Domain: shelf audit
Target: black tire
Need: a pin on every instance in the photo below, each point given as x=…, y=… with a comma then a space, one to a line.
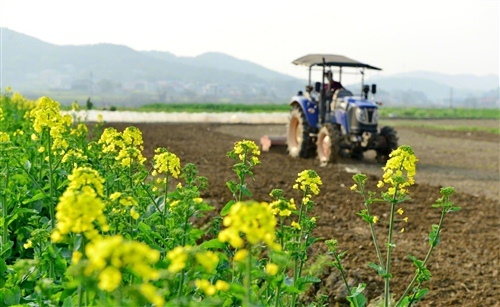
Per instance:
x=328, y=144
x=299, y=140
x=388, y=142
x=357, y=154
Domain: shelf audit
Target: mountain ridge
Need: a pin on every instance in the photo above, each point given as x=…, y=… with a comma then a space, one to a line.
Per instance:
x=120, y=74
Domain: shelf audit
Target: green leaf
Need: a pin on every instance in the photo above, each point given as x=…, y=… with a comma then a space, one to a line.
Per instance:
x=12, y=296
x=380, y=270
x=68, y=302
x=232, y=186
x=434, y=235
x=421, y=293
x=309, y=279
x=291, y=290
x=7, y=247
x=196, y=233
x=212, y=244
x=27, y=165
x=310, y=241
x=144, y=227
x=36, y=197
x=357, y=298
x=303, y=281
x=245, y=190
x=454, y=209
x=3, y=266
x=227, y=207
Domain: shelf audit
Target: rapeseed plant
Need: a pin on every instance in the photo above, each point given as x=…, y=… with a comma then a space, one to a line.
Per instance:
x=120, y=238
x=398, y=176
x=81, y=206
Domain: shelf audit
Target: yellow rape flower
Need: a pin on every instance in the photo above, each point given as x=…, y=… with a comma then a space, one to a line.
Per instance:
x=126, y=147
x=108, y=256
x=75, y=258
x=272, y=269
x=222, y=285
x=296, y=225
x=253, y=220
x=400, y=211
x=205, y=286
x=178, y=257
x=400, y=170
x=208, y=260
x=4, y=137
x=81, y=205
x=134, y=214
x=247, y=150
x=150, y=292
x=28, y=244
x=241, y=255
x=166, y=162
x=282, y=207
x=308, y=181
x=109, y=279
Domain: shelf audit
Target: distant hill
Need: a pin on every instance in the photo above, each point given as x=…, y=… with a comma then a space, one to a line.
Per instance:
x=118, y=75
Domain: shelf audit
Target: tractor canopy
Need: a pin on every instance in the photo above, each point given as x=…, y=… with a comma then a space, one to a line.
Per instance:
x=331, y=60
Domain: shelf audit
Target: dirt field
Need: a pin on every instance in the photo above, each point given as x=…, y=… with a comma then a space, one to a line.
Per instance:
x=464, y=266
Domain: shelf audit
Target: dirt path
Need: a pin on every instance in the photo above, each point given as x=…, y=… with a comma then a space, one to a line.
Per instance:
x=468, y=161
x=464, y=266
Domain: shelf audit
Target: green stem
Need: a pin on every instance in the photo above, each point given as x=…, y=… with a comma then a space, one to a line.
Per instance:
x=277, y=296
x=343, y=275
x=241, y=176
x=51, y=185
x=372, y=230
x=181, y=283
x=3, y=202
x=164, y=213
x=427, y=257
x=80, y=295
x=248, y=276
x=389, y=250
x=296, y=271
x=183, y=243
x=80, y=286
x=282, y=242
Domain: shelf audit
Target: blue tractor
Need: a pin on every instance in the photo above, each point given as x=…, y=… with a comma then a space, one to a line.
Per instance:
x=329, y=122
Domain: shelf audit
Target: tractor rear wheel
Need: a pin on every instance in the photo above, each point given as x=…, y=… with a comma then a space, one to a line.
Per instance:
x=328, y=144
x=299, y=140
x=388, y=142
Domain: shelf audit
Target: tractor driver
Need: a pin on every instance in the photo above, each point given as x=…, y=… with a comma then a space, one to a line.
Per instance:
x=332, y=85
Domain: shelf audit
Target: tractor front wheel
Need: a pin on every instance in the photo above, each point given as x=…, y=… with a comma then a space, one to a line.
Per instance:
x=328, y=143
x=299, y=140
x=388, y=142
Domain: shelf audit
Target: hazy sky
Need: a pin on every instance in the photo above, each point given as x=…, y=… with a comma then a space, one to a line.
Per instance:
x=453, y=37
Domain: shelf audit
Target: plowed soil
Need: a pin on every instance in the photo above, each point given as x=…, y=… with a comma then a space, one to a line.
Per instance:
x=464, y=265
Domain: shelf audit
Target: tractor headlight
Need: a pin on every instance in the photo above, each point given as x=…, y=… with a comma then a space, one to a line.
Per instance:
x=361, y=115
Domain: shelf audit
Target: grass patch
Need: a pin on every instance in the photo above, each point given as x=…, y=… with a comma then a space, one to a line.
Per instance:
x=212, y=107
x=437, y=126
x=421, y=113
